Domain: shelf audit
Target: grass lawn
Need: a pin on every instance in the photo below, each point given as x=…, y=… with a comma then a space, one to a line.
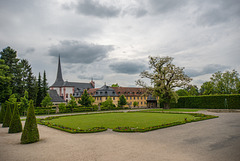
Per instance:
x=175, y=110
x=113, y=120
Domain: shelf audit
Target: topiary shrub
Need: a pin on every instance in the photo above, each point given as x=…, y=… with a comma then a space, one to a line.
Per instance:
x=2, y=113
x=7, y=117
x=30, y=132
x=15, y=124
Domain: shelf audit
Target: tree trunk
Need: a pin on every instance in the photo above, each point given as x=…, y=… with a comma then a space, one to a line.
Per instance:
x=166, y=106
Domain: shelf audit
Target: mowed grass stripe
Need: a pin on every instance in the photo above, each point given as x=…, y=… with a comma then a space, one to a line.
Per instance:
x=113, y=120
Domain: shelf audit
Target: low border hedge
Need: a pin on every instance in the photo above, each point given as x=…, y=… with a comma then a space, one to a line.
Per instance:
x=199, y=117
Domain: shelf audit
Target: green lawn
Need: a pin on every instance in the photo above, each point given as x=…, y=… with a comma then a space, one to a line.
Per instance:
x=113, y=120
x=175, y=110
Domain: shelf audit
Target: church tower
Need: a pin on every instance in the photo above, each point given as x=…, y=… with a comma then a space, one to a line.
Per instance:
x=59, y=80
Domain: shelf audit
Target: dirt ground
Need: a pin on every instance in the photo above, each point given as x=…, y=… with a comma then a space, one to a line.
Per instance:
x=210, y=140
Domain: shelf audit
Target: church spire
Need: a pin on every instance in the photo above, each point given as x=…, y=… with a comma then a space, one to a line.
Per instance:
x=59, y=80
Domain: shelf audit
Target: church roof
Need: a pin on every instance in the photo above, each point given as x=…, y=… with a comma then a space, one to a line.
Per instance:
x=55, y=97
x=59, y=80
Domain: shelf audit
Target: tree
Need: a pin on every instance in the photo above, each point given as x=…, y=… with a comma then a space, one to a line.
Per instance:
x=44, y=85
x=15, y=124
x=46, y=102
x=7, y=117
x=85, y=101
x=207, y=88
x=135, y=104
x=30, y=132
x=39, y=91
x=72, y=103
x=108, y=103
x=122, y=101
x=5, y=80
x=24, y=103
x=182, y=92
x=192, y=90
x=62, y=107
x=164, y=79
x=115, y=85
x=9, y=55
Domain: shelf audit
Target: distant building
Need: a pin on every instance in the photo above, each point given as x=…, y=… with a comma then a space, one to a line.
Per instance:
x=65, y=89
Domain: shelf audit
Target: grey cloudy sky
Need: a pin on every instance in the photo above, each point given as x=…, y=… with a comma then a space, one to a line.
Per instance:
x=111, y=40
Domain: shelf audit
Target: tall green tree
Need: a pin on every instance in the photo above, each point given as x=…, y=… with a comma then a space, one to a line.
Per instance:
x=46, y=102
x=5, y=80
x=24, y=104
x=15, y=124
x=72, y=103
x=39, y=91
x=30, y=132
x=9, y=55
x=165, y=77
x=222, y=83
x=44, y=85
x=122, y=101
x=85, y=101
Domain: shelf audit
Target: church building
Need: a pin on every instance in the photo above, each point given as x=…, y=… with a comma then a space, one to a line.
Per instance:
x=65, y=89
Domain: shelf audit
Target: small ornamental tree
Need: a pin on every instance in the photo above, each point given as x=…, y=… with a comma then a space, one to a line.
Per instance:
x=72, y=103
x=85, y=101
x=46, y=102
x=15, y=124
x=2, y=113
x=30, y=132
x=108, y=103
x=122, y=101
x=7, y=117
x=24, y=104
x=135, y=103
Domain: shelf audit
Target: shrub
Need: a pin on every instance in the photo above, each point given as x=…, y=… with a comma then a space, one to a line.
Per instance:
x=211, y=102
x=30, y=133
x=7, y=117
x=2, y=113
x=15, y=124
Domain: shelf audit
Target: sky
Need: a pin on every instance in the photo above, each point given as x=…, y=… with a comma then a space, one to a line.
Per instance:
x=110, y=40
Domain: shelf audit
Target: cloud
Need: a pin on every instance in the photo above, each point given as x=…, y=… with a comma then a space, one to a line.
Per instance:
x=79, y=52
x=130, y=67
x=94, y=8
x=217, y=13
x=89, y=77
x=209, y=69
x=165, y=6
x=30, y=50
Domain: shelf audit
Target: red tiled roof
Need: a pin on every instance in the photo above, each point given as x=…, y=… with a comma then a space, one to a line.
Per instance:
x=129, y=91
x=92, y=91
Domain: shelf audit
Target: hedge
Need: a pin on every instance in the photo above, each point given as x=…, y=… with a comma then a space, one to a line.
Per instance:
x=15, y=124
x=209, y=102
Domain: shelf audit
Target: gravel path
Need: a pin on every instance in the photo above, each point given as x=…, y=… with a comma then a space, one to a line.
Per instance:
x=210, y=140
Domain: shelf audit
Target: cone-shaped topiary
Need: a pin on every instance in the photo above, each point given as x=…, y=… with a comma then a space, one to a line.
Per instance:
x=8, y=117
x=2, y=113
x=15, y=124
x=30, y=132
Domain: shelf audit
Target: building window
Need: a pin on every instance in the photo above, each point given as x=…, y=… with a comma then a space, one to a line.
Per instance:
x=134, y=98
x=126, y=98
x=106, y=98
x=113, y=98
x=130, y=98
x=67, y=95
x=141, y=103
x=105, y=92
x=133, y=93
x=118, y=92
x=96, y=92
x=138, y=98
x=100, y=98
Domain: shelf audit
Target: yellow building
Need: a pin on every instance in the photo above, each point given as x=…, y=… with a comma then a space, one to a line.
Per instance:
x=132, y=94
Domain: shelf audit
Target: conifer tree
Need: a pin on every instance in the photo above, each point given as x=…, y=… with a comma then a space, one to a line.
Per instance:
x=30, y=132
x=2, y=113
x=8, y=116
x=39, y=92
x=15, y=124
x=44, y=85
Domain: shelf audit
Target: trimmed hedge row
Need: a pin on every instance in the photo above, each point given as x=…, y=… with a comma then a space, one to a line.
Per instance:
x=68, y=129
x=209, y=102
x=199, y=117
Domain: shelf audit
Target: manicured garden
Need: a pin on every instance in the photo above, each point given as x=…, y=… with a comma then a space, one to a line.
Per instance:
x=121, y=121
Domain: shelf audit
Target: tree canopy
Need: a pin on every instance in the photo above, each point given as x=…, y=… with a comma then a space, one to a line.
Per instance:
x=164, y=78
